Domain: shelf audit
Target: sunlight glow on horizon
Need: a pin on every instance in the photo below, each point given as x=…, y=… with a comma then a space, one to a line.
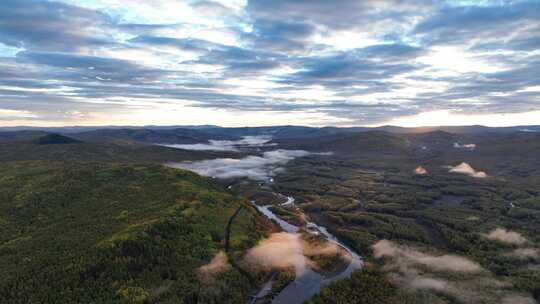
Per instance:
x=448, y=118
x=189, y=115
x=260, y=62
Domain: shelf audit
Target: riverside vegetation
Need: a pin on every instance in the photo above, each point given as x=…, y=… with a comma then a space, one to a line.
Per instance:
x=85, y=220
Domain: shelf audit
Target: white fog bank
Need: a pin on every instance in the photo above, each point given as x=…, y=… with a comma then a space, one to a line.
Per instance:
x=465, y=168
x=225, y=145
x=254, y=167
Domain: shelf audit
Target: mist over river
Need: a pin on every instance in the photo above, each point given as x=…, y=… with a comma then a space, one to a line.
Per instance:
x=308, y=282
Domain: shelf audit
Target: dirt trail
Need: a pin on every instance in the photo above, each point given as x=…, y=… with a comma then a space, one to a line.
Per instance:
x=227, y=248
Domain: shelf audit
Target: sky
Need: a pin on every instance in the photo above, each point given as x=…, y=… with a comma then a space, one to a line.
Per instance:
x=269, y=62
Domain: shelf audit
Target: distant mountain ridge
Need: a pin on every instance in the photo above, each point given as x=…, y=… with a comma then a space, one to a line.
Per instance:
x=55, y=139
x=170, y=136
x=300, y=137
x=78, y=129
x=280, y=131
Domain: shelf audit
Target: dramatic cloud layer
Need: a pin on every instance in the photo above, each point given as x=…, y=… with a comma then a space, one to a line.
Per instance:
x=253, y=167
x=260, y=62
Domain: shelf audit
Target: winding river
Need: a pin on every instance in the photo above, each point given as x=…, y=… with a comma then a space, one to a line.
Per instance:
x=307, y=282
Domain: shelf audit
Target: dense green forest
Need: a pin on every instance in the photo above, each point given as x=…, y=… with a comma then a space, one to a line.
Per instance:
x=102, y=152
x=368, y=198
x=365, y=286
x=106, y=222
x=83, y=232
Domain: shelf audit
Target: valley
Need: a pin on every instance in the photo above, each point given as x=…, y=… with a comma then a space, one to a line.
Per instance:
x=269, y=152
x=308, y=282
x=282, y=216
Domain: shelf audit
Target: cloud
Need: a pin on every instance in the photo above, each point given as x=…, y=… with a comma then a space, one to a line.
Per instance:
x=91, y=67
x=345, y=15
x=226, y=145
x=524, y=253
x=428, y=283
x=323, y=248
x=232, y=60
x=456, y=24
x=506, y=236
x=464, y=146
x=465, y=168
x=527, y=43
x=392, y=51
x=285, y=250
x=411, y=279
x=413, y=269
x=6, y=114
x=213, y=145
x=218, y=264
x=518, y=299
x=49, y=26
x=404, y=255
x=356, y=66
x=279, y=35
x=420, y=170
x=254, y=167
x=186, y=44
x=280, y=250
x=211, y=8
x=352, y=62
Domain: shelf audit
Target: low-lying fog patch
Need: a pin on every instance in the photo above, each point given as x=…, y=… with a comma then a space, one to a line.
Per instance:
x=420, y=170
x=407, y=256
x=505, y=236
x=280, y=250
x=226, y=145
x=518, y=299
x=513, y=238
x=259, y=168
x=528, y=130
x=218, y=264
x=416, y=270
x=428, y=283
x=284, y=250
x=465, y=168
x=464, y=146
x=524, y=253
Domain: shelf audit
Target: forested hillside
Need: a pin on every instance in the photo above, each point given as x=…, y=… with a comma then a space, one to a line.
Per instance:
x=108, y=233
x=490, y=220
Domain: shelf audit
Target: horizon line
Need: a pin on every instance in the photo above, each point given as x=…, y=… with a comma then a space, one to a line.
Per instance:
x=261, y=126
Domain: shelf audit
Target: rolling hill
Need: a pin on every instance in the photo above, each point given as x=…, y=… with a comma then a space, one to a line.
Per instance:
x=80, y=232
x=170, y=136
